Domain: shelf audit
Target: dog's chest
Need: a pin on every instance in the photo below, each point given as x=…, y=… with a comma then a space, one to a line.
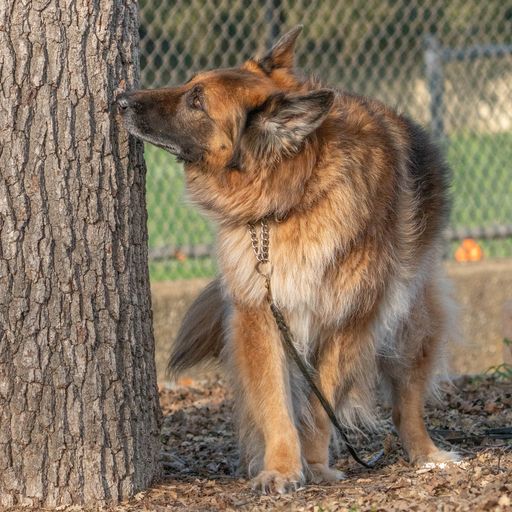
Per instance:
x=295, y=280
x=297, y=266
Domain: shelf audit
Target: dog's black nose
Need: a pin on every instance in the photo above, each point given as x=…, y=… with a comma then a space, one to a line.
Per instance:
x=123, y=101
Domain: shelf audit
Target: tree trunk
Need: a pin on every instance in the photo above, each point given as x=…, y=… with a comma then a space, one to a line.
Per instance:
x=79, y=412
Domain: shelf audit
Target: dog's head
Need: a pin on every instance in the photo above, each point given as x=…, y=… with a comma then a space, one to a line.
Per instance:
x=231, y=119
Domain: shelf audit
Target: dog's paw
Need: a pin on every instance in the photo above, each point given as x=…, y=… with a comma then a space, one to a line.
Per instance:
x=438, y=458
x=274, y=482
x=322, y=473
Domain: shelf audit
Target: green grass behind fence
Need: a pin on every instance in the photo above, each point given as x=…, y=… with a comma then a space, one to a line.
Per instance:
x=482, y=194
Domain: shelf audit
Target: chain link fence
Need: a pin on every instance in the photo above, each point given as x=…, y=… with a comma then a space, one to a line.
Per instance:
x=448, y=64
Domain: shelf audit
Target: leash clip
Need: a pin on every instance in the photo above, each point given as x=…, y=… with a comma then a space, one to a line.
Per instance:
x=264, y=269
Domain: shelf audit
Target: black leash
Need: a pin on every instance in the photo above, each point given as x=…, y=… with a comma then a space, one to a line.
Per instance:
x=292, y=351
x=261, y=249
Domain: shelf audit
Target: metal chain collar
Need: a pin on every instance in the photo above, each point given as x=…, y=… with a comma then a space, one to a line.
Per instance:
x=261, y=250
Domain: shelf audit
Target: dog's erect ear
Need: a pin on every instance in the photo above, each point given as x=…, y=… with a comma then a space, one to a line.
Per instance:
x=280, y=125
x=282, y=53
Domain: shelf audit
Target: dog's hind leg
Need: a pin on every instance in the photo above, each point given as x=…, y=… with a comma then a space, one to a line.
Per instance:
x=408, y=419
x=418, y=352
x=261, y=376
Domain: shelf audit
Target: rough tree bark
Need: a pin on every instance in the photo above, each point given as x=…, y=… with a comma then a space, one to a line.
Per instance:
x=79, y=413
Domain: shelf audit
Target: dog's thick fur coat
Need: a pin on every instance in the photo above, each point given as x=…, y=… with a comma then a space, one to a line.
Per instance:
x=357, y=200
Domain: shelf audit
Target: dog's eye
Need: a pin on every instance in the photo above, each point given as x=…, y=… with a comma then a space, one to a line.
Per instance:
x=195, y=98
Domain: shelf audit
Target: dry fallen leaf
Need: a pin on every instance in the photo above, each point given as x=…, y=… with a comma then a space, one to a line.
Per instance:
x=504, y=501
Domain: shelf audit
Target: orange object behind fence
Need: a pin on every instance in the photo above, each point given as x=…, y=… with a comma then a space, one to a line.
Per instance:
x=469, y=250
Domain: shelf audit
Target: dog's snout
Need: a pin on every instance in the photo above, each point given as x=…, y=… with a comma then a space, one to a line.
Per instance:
x=123, y=101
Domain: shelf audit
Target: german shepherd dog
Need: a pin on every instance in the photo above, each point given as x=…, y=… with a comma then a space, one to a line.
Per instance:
x=356, y=200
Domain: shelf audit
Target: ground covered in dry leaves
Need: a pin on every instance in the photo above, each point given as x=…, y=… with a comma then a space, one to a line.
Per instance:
x=474, y=416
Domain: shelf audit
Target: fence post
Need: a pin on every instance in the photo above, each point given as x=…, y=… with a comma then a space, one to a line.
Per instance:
x=435, y=83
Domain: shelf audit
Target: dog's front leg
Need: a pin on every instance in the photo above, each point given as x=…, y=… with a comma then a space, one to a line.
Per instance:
x=261, y=369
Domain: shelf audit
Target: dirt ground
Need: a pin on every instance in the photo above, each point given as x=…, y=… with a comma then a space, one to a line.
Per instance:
x=473, y=416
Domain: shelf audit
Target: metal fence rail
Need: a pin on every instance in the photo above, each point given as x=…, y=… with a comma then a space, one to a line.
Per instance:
x=447, y=64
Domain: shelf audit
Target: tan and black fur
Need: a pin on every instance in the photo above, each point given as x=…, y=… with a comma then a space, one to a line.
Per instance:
x=357, y=200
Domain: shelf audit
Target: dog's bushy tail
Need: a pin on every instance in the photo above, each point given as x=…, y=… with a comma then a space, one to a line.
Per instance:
x=201, y=334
